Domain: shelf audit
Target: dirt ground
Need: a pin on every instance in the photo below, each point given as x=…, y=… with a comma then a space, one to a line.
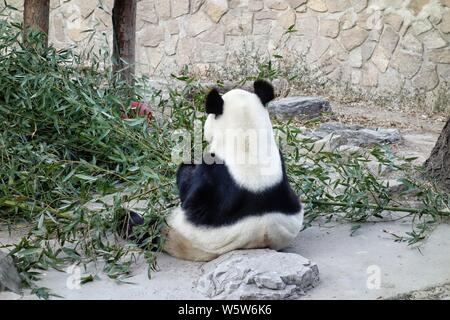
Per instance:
x=405, y=120
x=419, y=130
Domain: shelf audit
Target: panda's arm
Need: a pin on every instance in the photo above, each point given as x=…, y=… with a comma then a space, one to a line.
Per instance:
x=200, y=198
x=185, y=173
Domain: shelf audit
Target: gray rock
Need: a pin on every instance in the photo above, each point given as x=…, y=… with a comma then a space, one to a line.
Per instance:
x=257, y=274
x=357, y=135
x=9, y=277
x=292, y=106
x=330, y=127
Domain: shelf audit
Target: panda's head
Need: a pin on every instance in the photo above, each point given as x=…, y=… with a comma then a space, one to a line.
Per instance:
x=238, y=110
x=239, y=132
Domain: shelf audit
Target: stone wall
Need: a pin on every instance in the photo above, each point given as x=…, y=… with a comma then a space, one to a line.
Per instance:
x=382, y=45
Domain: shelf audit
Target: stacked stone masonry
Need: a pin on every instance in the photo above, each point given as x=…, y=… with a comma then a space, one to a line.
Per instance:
x=382, y=45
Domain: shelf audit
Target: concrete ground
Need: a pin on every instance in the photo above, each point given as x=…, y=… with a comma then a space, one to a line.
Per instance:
x=349, y=267
x=347, y=264
x=367, y=265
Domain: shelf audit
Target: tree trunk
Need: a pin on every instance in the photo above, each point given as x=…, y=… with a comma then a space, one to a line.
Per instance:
x=35, y=15
x=124, y=30
x=438, y=164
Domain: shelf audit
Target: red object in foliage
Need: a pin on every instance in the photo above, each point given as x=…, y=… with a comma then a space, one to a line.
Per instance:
x=140, y=109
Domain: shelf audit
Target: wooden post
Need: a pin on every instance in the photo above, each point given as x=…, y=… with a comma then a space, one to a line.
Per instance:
x=35, y=15
x=124, y=31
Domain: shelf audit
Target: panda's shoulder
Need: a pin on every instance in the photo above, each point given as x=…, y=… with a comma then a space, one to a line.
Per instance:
x=214, y=174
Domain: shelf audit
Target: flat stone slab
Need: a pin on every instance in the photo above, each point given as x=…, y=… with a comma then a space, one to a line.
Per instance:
x=299, y=106
x=440, y=292
x=357, y=135
x=9, y=277
x=257, y=274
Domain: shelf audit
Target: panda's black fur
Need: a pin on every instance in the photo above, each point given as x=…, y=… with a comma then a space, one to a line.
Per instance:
x=210, y=197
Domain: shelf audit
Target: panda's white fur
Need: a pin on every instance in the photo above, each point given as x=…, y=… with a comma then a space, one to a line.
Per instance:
x=242, y=111
x=244, y=132
x=272, y=230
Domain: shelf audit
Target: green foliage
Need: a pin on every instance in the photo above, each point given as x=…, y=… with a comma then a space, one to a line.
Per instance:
x=63, y=143
x=343, y=185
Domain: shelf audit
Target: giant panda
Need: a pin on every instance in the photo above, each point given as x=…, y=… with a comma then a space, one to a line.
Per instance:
x=242, y=199
x=239, y=196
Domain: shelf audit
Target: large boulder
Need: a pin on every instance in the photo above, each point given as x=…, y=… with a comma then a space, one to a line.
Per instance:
x=299, y=106
x=258, y=274
x=356, y=135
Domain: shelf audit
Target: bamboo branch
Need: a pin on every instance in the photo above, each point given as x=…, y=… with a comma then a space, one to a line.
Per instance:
x=374, y=206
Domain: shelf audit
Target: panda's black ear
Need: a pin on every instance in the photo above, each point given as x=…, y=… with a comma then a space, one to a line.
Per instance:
x=264, y=91
x=214, y=102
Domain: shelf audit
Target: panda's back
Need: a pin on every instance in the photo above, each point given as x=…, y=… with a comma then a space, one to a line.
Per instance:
x=217, y=215
x=214, y=199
